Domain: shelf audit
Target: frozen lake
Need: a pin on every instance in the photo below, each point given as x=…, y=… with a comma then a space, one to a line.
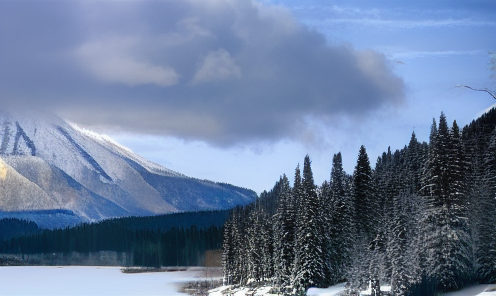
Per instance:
x=92, y=280
x=84, y=280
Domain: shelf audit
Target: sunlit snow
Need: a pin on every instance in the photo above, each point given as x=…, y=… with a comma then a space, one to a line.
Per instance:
x=339, y=290
x=91, y=280
x=79, y=280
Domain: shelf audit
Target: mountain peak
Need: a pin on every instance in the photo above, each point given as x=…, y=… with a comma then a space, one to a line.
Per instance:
x=60, y=166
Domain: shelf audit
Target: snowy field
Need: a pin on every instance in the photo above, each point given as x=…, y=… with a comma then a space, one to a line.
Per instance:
x=478, y=290
x=338, y=290
x=78, y=280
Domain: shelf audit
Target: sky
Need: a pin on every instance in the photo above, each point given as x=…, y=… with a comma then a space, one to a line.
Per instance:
x=239, y=91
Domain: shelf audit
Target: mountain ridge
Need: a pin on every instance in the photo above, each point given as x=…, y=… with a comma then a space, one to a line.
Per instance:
x=47, y=163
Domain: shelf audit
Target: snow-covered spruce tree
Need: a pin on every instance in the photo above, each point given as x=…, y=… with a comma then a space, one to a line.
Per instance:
x=485, y=219
x=414, y=159
x=233, y=259
x=367, y=219
x=411, y=204
x=284, y=234
x=341, y=227
x=241, y=246
x=258, y=245
x=228, y=251
x=254, y=244
x=476, y=190
x=329, y=252
x=363, y=197
x=297, y=193
x=445, y=223
x=402, y=262
x=385, y=178
x=308, y=268
x=476, y=139
x=458, y=205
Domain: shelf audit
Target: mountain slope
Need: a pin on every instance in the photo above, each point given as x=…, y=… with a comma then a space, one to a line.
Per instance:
x=47, y=164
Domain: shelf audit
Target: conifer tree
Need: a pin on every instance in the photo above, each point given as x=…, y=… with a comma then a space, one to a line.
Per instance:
x=365, y=210
x=365, y=216
x=341, y=227
x=446, y=228
x=328, y=246
x=228, y=253
x=284, y=235
x=258, y=243
x=309, y=263
x=297, y=193
x=484, y=218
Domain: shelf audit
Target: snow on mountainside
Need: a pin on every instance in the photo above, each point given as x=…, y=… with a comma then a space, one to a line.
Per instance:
x=126, y=152
x=56, y=173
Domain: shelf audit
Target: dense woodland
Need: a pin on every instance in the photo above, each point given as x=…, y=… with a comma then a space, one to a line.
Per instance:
x=167, y=240
x=422, y=220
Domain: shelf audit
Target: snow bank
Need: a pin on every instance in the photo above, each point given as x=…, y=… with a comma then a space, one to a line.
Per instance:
x=220, y=291
x=79, y=280
x=477, y=290
x=331, y=291
x=223, y=290
x=337, y=290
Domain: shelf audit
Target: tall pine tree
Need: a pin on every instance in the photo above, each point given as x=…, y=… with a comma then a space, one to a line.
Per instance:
x=309, y=267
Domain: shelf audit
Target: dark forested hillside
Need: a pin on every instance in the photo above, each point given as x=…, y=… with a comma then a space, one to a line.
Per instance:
x=10, y=228
x=422, y=220
x=166, y=240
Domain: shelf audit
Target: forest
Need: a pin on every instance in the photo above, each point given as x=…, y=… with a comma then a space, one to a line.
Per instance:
x=422, y=221
x=167, y=240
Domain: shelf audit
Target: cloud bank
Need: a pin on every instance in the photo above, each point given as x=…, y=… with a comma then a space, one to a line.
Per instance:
x=221, y=71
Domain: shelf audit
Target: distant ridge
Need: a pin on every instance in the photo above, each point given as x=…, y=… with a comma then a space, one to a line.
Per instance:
x=58, y=174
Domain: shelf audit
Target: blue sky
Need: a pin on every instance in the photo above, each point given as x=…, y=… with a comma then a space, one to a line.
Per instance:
x=239, y=91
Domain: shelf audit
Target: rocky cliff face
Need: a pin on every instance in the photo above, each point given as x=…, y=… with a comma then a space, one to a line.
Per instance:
x=56, y=174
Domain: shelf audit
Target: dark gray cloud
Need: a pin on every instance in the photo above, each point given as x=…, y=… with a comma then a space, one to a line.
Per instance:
x=223, y=71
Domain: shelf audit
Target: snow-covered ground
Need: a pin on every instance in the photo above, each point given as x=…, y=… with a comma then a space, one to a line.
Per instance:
x=337, y=290
x=79, y=280
x=84, y=280
x=331, y=291
x=477, y=290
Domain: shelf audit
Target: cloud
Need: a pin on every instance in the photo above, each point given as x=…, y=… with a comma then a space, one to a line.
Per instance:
x=226, y=72
x=107, y=60
x=398, y=54
x=217, y=66
x=400, y=24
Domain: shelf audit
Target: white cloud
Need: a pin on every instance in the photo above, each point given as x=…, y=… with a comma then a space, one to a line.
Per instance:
x=187, y=30
x=402, y=54
x=398, y=24
x=217, y=66
x=109, y=61
x=229, y=71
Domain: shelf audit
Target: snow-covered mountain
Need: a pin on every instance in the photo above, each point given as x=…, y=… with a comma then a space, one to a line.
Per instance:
x=56, y=174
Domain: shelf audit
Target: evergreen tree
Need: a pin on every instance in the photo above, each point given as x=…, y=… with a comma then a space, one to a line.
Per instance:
x=341, y=227
x=228, y=252
x=328, y=246
x=309, y=265
x=484, y=218
x=446, y=228
x=365, y=210
x=259, y=245
x=423, y=220
x=284, y=233
x=366, y=221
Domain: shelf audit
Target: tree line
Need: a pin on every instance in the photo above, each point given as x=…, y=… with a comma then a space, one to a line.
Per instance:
x=167, y=240
x=422, y=221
